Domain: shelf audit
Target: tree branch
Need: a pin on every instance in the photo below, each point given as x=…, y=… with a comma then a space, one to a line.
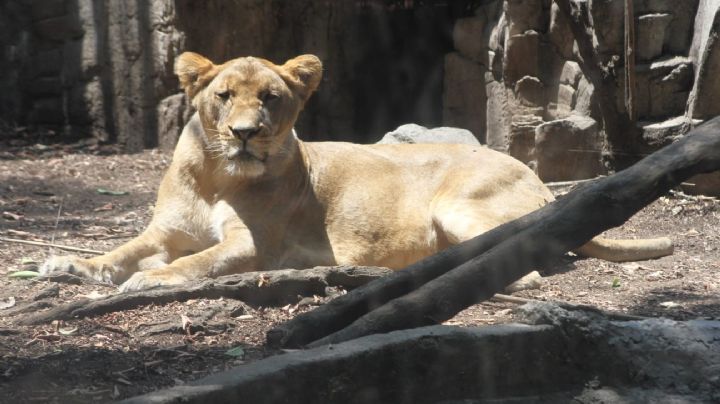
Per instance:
x=257, y=288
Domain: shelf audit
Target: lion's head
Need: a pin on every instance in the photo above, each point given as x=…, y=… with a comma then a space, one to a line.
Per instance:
x=248, y=105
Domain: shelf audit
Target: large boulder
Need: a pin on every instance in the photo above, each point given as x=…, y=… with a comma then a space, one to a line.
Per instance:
x=568, y=149
x=651, y=30
x=497, y=130
x=660, y=134
x=521, y=140
x=522, y=57
x=468, y=38
x=525, y=15
x=412, y=133
x=560, y=34
x=704, y=100
x=663, y=87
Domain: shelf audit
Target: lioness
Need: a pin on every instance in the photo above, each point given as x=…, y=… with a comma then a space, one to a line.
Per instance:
x=243, y=193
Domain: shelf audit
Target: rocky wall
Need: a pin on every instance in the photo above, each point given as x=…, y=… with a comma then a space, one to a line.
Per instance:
x=515, y=81
x=104, y=68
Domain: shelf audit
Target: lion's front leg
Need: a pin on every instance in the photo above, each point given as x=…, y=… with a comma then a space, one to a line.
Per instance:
x=229, y=256
x=149, y=248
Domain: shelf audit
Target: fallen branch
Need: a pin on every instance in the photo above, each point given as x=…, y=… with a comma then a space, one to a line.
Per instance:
x=257, y=288
x=58, y=246
x=543, y=236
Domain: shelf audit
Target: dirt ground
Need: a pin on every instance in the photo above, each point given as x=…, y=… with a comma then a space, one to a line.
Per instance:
x=85, y=195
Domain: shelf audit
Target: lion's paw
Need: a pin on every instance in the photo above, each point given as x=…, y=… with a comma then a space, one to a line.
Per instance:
x=76, y=266
x=150, y=279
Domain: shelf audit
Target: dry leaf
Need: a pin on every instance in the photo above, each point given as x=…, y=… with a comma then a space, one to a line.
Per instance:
x=93, y=295
x=263, y=280
x=106, y=207
x=12, y=216
x=67, y=330
x=186, y=323
x=7, y=303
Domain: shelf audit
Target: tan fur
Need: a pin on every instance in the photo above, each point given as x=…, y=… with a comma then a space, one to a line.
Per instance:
x=260, y=199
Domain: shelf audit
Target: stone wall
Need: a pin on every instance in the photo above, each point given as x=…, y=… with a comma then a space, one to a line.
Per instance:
x=104, y=68
x=507, y=70
x=515, y=81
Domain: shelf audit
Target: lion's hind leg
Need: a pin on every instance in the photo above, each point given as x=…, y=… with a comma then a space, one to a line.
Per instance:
x=462, y=220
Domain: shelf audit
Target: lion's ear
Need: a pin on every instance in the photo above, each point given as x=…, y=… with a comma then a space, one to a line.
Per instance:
x=194, y=72
x=306, y=73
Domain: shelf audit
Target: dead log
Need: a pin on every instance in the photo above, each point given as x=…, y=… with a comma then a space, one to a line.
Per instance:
x=256, y=288
x=555, y=229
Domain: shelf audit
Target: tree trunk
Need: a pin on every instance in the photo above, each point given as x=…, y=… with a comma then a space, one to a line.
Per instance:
x=623, y=136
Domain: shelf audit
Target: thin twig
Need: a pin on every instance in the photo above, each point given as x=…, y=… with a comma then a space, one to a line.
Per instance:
x=59, y=246
x=562, y=184
x=57, y=222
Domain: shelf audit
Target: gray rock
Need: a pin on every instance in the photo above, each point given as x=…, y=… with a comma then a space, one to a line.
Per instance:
x=468, y=38
x=173, y=113
x=464, y=100
x=497, y=133
x=651, y=30
x=609, y=17
x=703, y=26
x=525, y=15
x=412, y=133
x=659, y=134
x=704, y=101
x=570, y=73
x=560, y=34
x=59, y=28
x=43, y=86
x=584, y=97
x=663, y=87
x=530, y=91
x=46, y=63
x=562, y=101
x=521, y=141
x=43, y=9
x=47, y=111
x=568, y=149
x=522, y=57
x=86, y=103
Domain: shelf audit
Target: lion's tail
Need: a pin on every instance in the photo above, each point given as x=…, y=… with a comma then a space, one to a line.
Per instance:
x=627, y=250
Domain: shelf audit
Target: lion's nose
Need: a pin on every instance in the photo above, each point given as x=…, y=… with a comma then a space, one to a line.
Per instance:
x=245, y=132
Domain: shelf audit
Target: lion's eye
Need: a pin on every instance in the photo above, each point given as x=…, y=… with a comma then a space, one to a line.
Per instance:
x=269, y=96
x=223, y=95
